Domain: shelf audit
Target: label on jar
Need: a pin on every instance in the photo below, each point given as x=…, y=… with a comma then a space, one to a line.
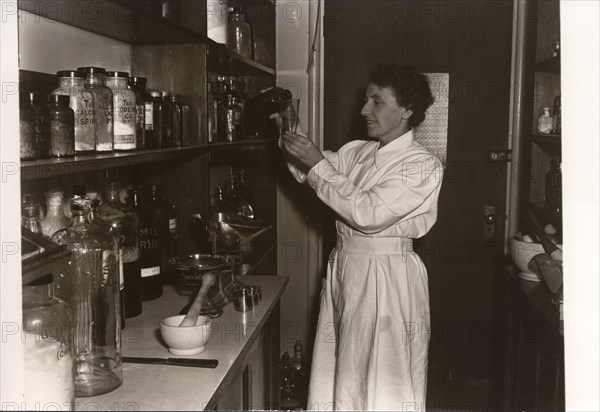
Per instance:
x=124, y=139
x=149, y=272
x=140, y=115
x=149, y=119
x=173, y=224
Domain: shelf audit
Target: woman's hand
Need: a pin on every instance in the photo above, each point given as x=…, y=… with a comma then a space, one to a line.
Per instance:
x=302, y=148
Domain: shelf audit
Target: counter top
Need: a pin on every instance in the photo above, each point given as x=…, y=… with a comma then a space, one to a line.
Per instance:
x=540, y=297
x=162, y=387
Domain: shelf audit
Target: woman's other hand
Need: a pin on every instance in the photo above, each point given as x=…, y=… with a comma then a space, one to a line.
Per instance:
x=302, y=148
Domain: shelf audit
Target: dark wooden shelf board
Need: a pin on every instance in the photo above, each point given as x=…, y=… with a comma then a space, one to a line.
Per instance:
x=551, y=65
x=546, y=138
x=44, y=168
x=221, y=60
x=125, y=20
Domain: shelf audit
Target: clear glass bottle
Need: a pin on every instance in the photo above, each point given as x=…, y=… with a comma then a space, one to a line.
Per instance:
x=83, y=103
x=127, y=224
x=553, y=186
x=239, y=34
x=138, y=85
x=34, y=128
x=211, y=113
x=30, y=217
x=62, y=126
x=545, y=121
x=103, y=107
x=241, y=206
x=91, y=289
x=150, y=247
x=94, y=218
x=124, y=102
x=48, y=361
x=168, y=125
x=153, y=196
x=55, y=219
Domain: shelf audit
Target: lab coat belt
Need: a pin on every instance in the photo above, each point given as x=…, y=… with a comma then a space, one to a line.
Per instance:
x=374, y=245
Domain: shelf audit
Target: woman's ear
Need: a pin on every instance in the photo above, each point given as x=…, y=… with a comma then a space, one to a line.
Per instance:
x=407, y=113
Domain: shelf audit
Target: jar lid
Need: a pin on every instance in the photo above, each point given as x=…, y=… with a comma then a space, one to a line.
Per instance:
x=92, y=70
x=76, y=74
x=47, y=279
x=166, y=94
x=155, y=93
x=59, y=98
x=117, y=74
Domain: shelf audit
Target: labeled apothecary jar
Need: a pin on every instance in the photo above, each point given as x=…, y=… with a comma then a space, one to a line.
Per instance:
x=62, y=126
x=124, y=103
x=49, y=366
x=103, y=107
x=72, y=84
x=33, y=117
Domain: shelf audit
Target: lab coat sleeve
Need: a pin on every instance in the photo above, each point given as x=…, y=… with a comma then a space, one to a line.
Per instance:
x=401, y=194
x=300, y=176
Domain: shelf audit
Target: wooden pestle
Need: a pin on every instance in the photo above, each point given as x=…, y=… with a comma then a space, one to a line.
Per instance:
x=208, y=279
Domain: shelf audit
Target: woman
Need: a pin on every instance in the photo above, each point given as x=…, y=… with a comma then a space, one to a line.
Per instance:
x=370, y=352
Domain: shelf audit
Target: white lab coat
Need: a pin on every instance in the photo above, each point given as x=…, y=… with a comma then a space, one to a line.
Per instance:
x=372, y=338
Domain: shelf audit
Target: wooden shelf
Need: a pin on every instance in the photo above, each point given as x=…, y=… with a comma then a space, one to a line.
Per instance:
x=249, y=144
x=546, y=138
x=44, y=168
x=124, y=20
x=551, y=65
x=221, y=60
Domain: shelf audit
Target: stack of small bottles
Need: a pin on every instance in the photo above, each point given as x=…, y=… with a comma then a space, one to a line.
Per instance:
x=226, y=105
x=294, y=380
x=99, y=111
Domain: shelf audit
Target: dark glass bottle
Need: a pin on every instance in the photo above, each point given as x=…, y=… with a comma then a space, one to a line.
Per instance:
x=155, y=128
x=168, y=124
x=553, y=183
x=211, y=113
x=153, y=197
x=62, y=126
x=34, y=128
x=138, y=85
x=177, y=118
x=150, y=248
x=220, y=101
x=126, y=222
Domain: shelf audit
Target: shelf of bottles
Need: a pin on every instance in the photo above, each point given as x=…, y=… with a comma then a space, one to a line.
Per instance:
x=222, y=60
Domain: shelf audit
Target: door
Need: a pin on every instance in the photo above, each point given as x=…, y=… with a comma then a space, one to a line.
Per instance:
x=470, y=40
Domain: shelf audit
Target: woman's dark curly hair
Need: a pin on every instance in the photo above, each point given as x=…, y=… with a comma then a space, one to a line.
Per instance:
x=410, y=87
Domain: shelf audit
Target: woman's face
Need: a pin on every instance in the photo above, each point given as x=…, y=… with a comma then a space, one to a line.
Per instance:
x=386, y=120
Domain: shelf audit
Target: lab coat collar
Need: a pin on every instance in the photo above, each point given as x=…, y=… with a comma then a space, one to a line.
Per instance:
x=382, y=154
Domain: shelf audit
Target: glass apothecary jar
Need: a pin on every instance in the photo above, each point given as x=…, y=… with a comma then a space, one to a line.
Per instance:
x=124, y=106
x=103, y=107
x=35, y=141
x=49, y=367
x=239, y=33
x=62, y=126
x=91, y=289
x=72, y=84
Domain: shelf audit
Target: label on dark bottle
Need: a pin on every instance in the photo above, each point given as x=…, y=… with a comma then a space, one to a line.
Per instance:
x=151, y=271
x=149, y=118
